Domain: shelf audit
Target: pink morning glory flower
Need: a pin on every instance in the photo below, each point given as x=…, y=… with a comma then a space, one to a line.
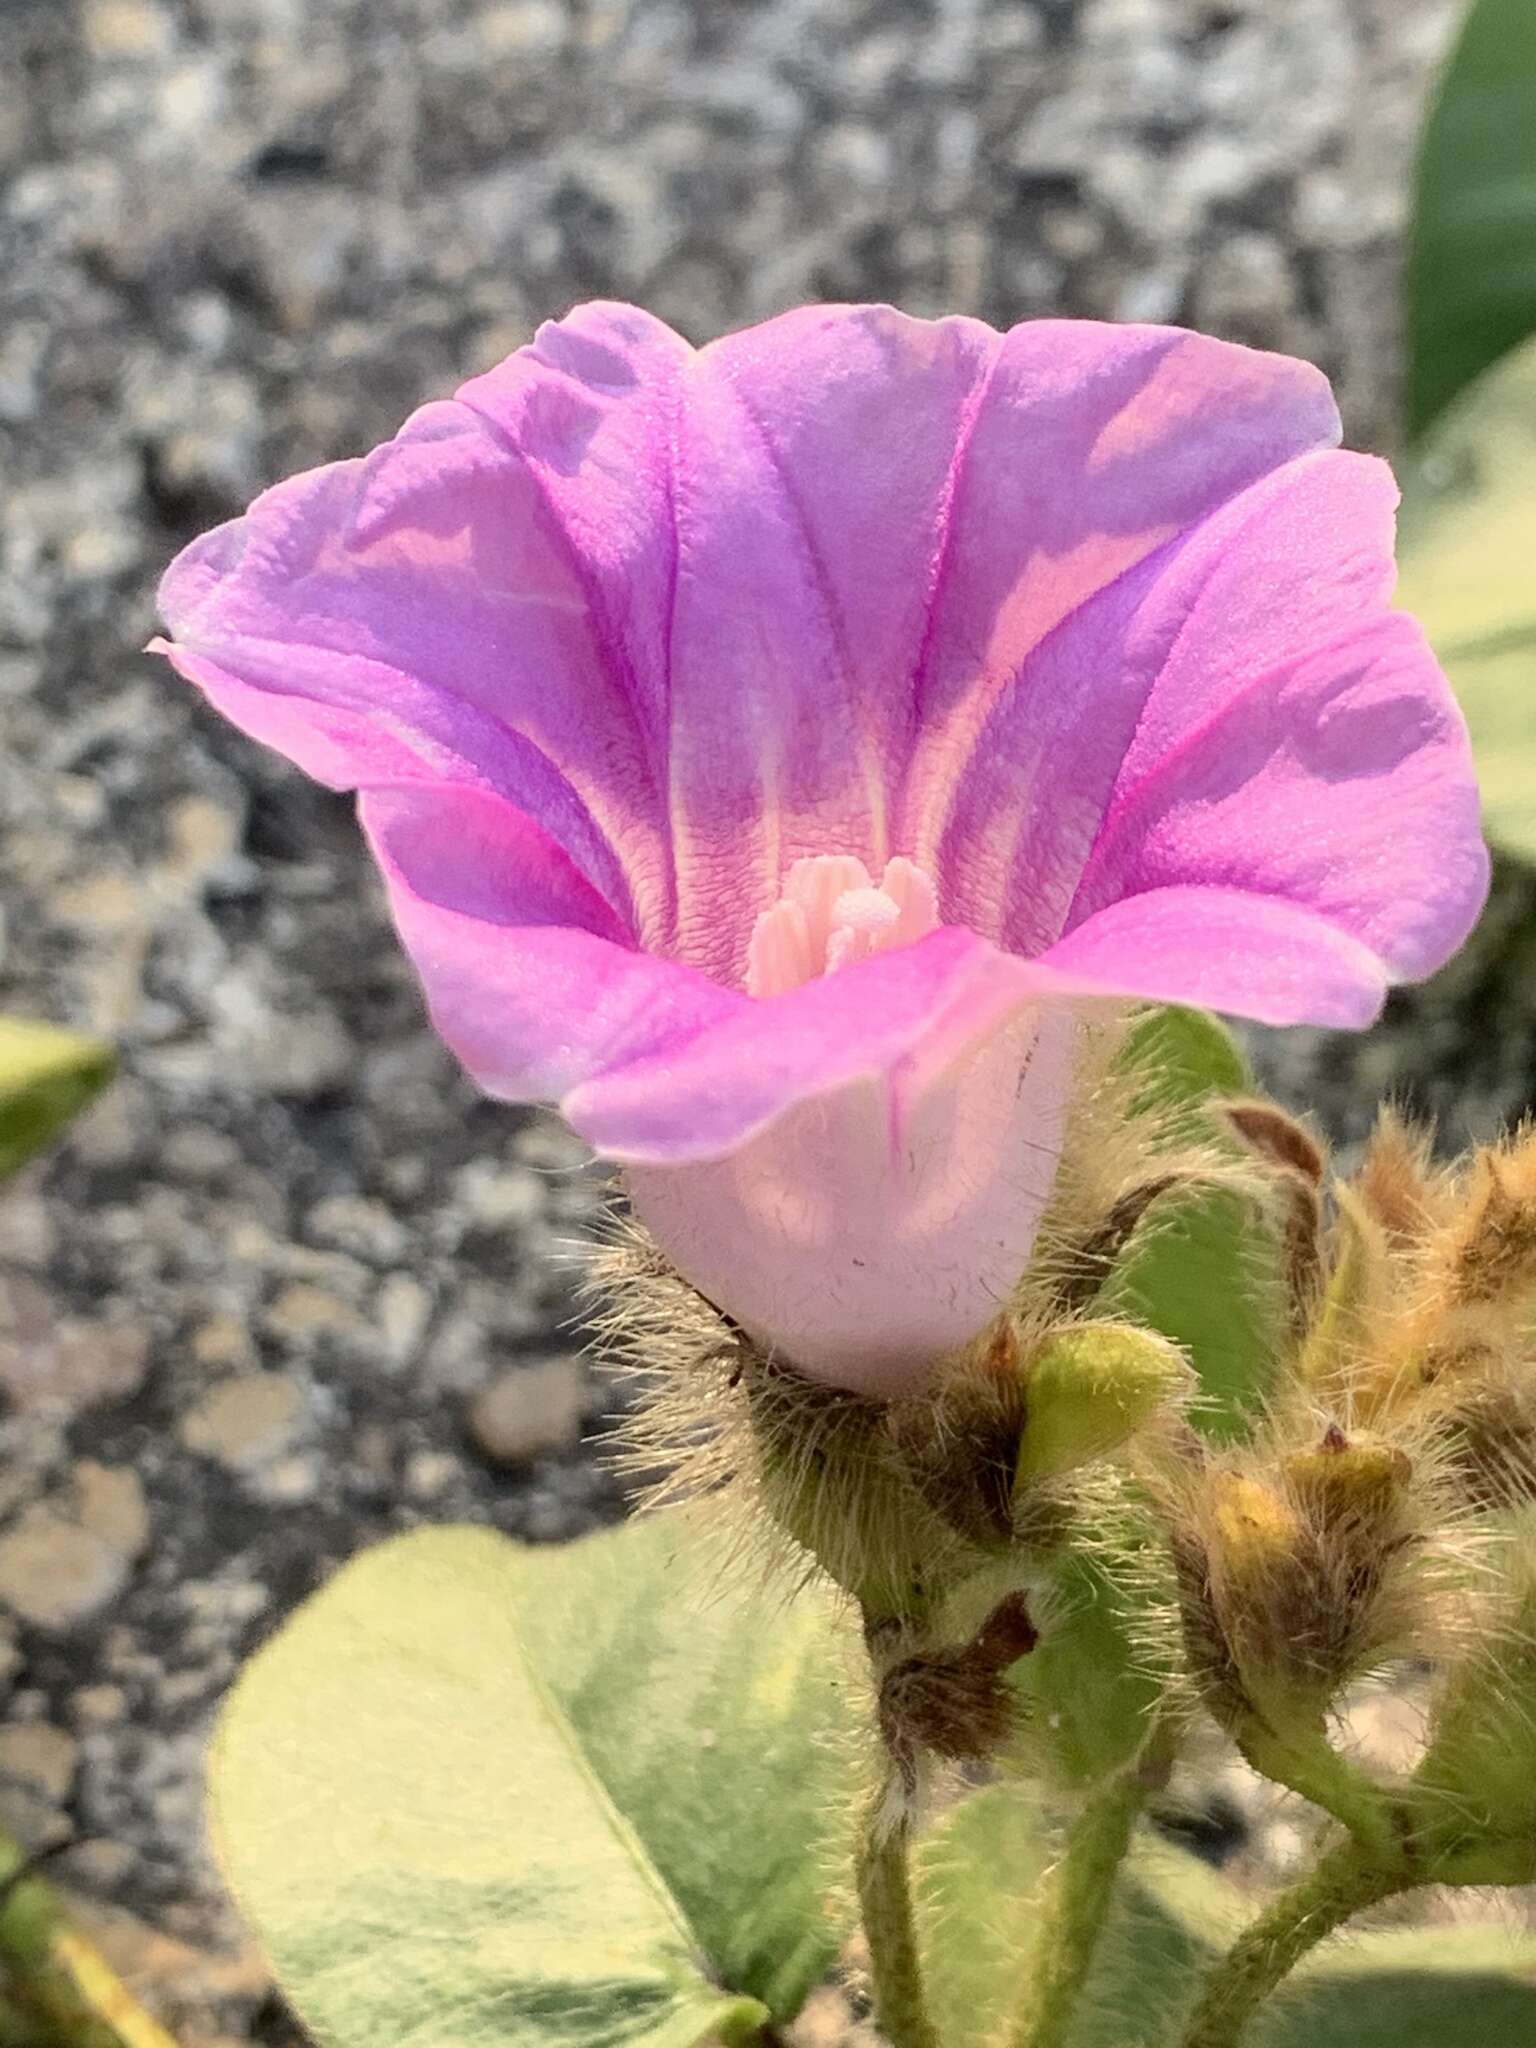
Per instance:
x=769, y=747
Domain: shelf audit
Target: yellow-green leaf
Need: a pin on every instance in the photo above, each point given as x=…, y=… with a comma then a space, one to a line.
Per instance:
x=1468, y=551
x=46, y=1077
x=477, y=1793
x=1471, y=269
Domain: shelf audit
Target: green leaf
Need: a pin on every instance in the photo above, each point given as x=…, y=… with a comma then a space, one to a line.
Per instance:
x=976, y=1876
x=1471, y=270
x=1389, y=1988
x=1208, y=1276
x=475, y=1793
x=46, y=1077
x=973, y=1876
x=1204, y=1269
x=1186, y=1057
x=1468, y=545
x=715, y=1719
x=1088, y=1687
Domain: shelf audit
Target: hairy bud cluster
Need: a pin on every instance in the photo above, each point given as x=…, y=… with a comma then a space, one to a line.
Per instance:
x=1051, y=1553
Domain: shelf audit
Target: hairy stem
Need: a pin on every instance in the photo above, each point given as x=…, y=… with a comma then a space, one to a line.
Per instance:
x=59, y=1990
x=1312, y=1767
x=885, y=1901
x=1072, y=1911
x=1346, y=1879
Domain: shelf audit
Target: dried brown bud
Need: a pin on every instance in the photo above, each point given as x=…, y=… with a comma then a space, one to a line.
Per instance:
x=956, y=1703
x=1491, y=1248
x=1396, y=1183
x=1277, y=1137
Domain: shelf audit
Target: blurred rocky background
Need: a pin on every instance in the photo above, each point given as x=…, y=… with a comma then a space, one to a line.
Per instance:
x=290, y=1285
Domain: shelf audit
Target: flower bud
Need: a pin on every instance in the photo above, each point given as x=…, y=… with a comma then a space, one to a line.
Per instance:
x=1293, y=1578
x=1396, y=1184
x=1348, y=1490
x=1489, y=1250
x=1087, y=1390
x=1490, y=1435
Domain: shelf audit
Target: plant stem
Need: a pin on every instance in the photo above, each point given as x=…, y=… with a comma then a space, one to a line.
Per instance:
x=1312, y=1767
x=1346, y=1879
x=885, y=1900
x=60, y=1991
x=1073, y=1908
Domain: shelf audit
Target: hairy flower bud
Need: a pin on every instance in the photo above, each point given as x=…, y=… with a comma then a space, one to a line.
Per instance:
x=1087, y=1390
x=1292, y=1577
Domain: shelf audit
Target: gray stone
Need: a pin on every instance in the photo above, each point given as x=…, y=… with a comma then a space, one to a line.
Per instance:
x=244, y=1423
x=529, y=1412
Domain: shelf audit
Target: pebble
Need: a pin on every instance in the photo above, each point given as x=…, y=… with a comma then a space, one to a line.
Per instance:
x=244, y=1423
x=42, y=1758
x=532, y=1411
x=64, y=1559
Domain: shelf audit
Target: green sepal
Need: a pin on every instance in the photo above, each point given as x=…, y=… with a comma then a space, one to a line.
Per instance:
x=1087, y=1390
x=1206, y=1270
x=1089, y=1689
x=1184, y=1057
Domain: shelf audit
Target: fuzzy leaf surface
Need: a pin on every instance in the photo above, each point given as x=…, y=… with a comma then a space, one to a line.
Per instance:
x=1468, y=545
x=1186, y=1055
x=46, y=1077
x=1207, y=1274
x=1389, y=1988
x=1205, y=1271
x=1471, y=271
x=476, y=1793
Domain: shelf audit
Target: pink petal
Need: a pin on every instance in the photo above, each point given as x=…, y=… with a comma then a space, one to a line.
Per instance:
x=879, y=518
x=531, y=980
x=1225, y=949
x=1089, y=448
x=529, y=975
x=484, y=600
x=812, y=462
x=1243, y=713
x=1299, y=741
x=864, y=1262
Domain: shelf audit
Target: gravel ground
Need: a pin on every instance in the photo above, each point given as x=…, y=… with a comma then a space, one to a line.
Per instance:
x=291, y=1285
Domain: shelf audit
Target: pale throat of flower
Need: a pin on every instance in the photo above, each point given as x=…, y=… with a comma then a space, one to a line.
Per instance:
x=861, y=1262
x=832, y=913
